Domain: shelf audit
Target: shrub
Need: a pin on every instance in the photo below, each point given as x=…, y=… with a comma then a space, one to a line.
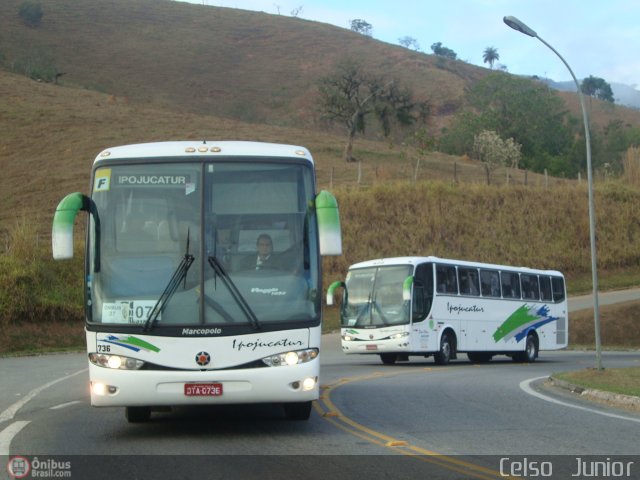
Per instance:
x=30, y=13
x=37, y=66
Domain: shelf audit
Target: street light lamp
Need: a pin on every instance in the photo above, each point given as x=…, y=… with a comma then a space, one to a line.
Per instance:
x=516, y=24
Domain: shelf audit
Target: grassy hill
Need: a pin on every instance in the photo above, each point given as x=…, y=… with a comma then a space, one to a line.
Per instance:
x=51, y=134
x=230, y=63
x=211, y=60
x=147, y=70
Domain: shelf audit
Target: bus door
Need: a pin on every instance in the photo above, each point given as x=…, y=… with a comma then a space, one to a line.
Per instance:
x=423, y=334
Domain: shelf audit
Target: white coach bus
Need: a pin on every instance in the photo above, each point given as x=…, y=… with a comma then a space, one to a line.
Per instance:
x=179, y=310
x=423, y=306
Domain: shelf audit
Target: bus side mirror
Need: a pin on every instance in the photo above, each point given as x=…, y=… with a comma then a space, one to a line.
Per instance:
x=406, y=288
x=329, y=232
x=62, y=231
x=331, y=291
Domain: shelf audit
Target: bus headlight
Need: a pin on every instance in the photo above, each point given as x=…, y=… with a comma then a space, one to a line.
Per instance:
x=399, y=335
x=101, y=389
x=309, y=383
x=347, y=338
x=291, y=358
x=115, y=361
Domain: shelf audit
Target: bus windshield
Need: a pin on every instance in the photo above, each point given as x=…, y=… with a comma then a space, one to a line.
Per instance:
x=215, y=243
x=374, y=297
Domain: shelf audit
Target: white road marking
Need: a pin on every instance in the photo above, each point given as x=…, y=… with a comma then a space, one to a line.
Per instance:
x=7, y=435
x=65, y=405
x=526, y=386
x=10, y=412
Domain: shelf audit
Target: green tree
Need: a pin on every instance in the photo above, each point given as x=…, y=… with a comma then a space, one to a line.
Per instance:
x=597, y=87
x=360, y=26
x=441, y=51
x=353, y=97
x=490, y=56
x=534, y=116
x=30, y=13
x=613, y=141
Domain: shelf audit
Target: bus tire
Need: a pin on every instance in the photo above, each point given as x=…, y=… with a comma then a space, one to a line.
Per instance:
x=443, y=355
x=388, y=358
x=530, y=352
x=137, y=414
x=298, y=410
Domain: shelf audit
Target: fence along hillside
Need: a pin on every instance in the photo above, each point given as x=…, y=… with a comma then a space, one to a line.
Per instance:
x=435, y=166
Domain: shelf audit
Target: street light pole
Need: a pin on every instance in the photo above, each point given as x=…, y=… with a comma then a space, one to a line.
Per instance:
x=516, y=24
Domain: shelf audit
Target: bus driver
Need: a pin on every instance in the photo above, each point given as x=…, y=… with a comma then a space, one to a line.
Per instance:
x=265, y=257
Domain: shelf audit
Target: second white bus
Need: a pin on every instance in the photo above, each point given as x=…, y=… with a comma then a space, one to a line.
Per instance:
x=429, y=306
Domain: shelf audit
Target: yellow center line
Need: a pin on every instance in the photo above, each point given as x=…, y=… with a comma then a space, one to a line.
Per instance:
x=327, y=409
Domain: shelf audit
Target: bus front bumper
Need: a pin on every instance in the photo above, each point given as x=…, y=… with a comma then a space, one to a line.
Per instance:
x=374, y=346
x=297, y=383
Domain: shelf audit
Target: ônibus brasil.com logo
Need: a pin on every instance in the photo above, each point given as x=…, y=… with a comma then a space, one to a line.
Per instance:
x=21, y=467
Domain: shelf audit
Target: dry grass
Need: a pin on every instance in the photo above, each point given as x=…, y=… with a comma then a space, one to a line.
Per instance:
x=529, y=226
x=51, y=135
x=172, y=71
x=631, y=166
x=201, y=59
x=228, y=62
x=619, y=326
x=625, y=381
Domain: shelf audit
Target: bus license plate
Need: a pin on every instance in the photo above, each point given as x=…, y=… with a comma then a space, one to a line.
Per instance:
x=202, y=389
x=372, y=347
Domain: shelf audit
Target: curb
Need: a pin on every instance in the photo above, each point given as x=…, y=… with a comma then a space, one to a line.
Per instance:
x=613, y=399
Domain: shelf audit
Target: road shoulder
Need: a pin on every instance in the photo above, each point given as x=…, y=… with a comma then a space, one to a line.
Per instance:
x=628, y=403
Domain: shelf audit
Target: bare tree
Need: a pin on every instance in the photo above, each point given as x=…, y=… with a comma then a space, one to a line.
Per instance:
x=409, y=42
x=353, y=97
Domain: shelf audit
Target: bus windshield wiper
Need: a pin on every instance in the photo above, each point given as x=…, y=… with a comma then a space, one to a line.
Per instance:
x=377, y=310
x=366, y=309
x=178, y=276
x=235, y=293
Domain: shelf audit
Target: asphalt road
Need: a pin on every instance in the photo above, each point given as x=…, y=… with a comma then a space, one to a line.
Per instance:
x=408, y=420
x=608, y=298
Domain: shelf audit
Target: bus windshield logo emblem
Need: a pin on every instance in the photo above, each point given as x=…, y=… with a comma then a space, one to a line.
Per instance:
x=203, y=358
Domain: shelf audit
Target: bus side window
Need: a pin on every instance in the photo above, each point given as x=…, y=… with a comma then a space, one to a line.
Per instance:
x=545, y=288
x=510, y=285
x=557, y=285
x=490, y=283
x=468, y=281
x=446, y=279
x=530, y=289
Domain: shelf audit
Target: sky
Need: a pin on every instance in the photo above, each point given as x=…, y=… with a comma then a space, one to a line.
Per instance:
x=595, y=37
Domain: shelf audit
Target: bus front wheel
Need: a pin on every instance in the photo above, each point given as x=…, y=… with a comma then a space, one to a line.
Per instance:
x=297, y=411
x=137, y=414
x=443, y=356
x=530, y=352
x=388, y=358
